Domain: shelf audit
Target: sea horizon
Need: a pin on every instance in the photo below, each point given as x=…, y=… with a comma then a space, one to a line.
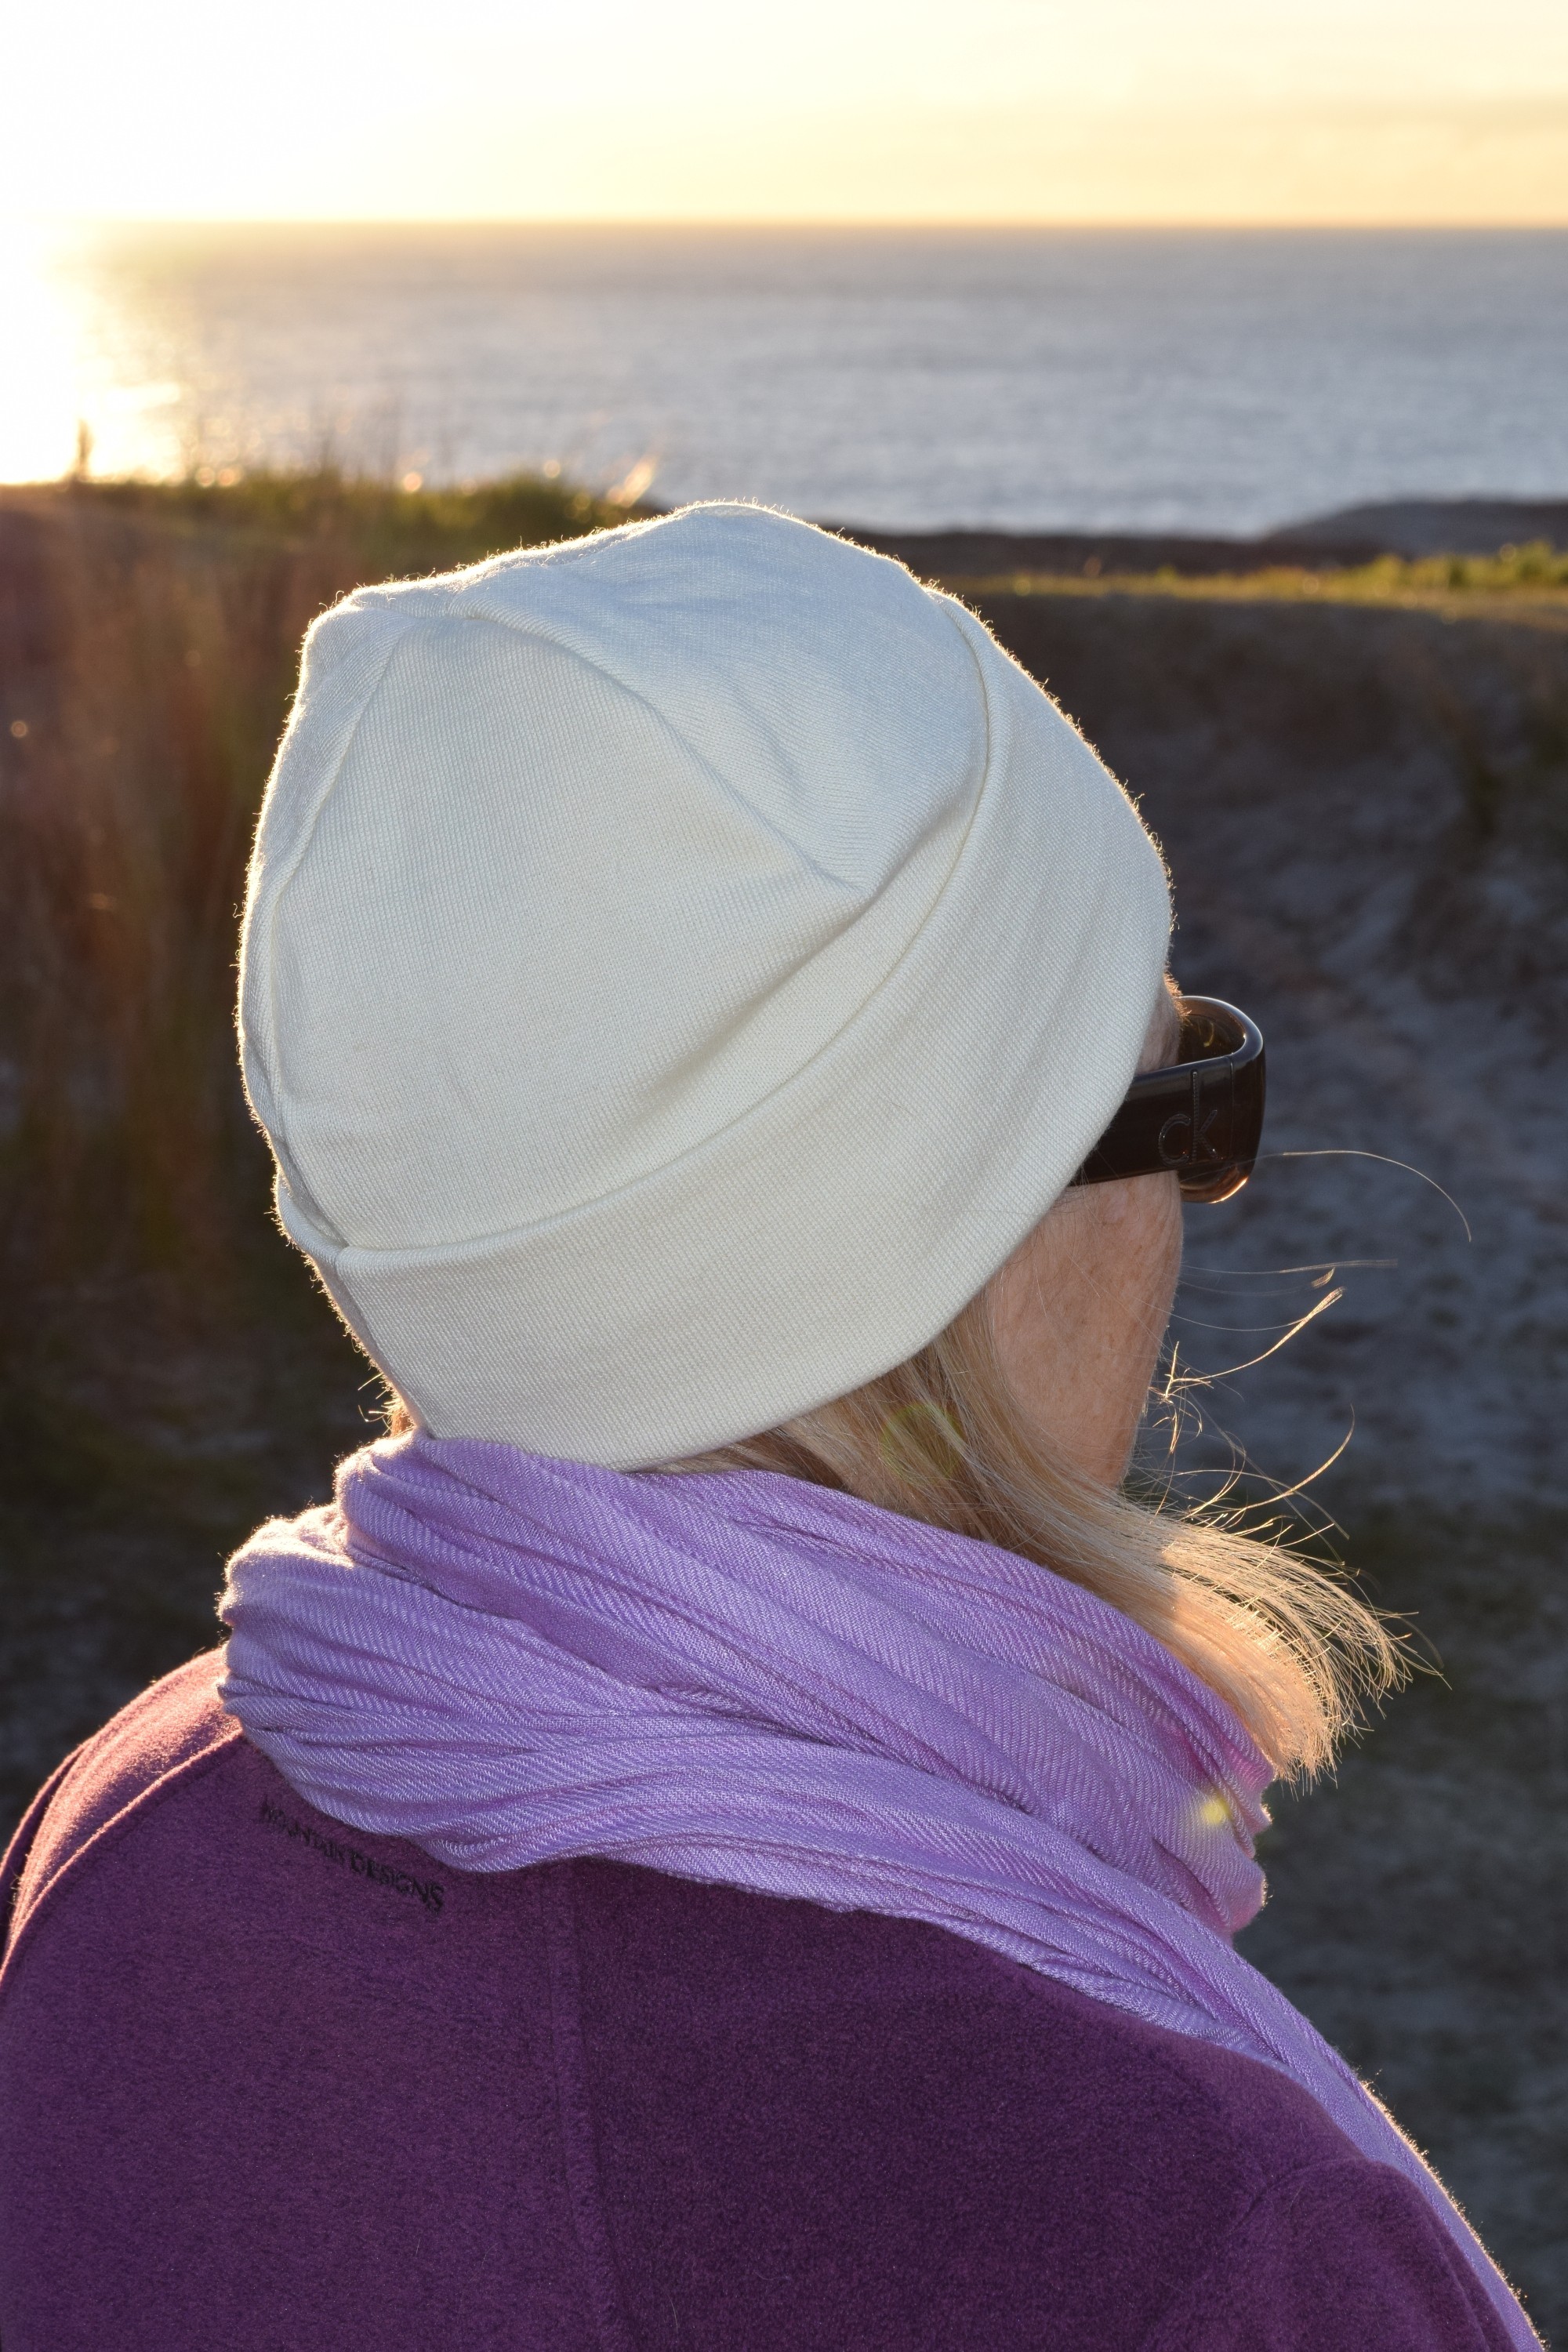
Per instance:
x=1013, y=375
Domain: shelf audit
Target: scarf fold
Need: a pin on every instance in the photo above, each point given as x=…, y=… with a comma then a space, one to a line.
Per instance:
x=746, y=1679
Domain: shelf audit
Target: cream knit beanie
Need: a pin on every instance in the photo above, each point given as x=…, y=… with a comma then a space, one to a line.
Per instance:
x=680, y=966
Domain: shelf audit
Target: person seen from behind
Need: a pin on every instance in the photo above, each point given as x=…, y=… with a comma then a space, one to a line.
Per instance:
x=726, y=1835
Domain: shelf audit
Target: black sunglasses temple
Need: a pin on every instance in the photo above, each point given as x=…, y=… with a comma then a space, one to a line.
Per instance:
x=1201, y=1119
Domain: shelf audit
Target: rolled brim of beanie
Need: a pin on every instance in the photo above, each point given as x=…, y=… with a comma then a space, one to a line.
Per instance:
x=843, y=1221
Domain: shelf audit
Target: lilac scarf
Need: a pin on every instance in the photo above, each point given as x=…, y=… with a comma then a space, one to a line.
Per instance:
x=745, y=1678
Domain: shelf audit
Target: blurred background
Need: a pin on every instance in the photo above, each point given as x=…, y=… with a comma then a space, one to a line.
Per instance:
x=1218, y=356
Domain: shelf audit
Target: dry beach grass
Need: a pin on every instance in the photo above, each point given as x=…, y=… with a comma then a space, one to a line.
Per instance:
x=1362, y=786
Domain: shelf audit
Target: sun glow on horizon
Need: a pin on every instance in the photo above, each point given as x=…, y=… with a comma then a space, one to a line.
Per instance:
x=859, y=113
x=1315, y=111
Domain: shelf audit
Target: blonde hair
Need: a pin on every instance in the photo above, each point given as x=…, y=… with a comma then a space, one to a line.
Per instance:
x=941, y=1438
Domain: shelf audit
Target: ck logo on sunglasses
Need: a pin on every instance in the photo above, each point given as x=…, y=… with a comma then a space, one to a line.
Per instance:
x=1199, y=1118
x=1188, y=1137
x=1176, y=1151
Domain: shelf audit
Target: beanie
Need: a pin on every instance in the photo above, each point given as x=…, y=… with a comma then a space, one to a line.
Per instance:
x=680, y=966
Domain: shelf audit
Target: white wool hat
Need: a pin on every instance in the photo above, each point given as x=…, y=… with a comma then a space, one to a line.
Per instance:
x=679, y=966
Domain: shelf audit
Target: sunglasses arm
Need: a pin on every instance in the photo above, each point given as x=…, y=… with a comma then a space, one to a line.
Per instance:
x=1201, y=1119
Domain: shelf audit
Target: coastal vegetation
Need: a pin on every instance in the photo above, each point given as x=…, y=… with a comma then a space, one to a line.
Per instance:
x=148, y=639
x=1361, y=778
x=1536, y=571
x=394, y=527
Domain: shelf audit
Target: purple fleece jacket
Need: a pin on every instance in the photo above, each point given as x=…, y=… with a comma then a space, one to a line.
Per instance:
x=269, y=2084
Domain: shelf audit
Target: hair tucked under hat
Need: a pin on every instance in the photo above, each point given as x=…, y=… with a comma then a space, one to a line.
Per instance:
x=679, y=966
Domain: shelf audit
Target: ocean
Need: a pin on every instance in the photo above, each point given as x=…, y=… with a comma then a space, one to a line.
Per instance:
x=1029, y=378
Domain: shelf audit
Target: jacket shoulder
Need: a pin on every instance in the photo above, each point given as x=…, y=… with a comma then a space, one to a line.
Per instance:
x=1333, y=2258
x=175, y=1729
x=985, y=2154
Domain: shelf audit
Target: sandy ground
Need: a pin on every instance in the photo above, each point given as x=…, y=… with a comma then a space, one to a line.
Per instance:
x=1366, y=815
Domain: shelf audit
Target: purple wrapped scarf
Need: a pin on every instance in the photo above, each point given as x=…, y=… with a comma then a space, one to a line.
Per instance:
x=745, y=1678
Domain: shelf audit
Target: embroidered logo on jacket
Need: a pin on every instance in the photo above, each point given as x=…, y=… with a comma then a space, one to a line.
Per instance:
x=349, y=1857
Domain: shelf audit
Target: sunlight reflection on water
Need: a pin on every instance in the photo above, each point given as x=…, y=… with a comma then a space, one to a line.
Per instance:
x=1184, y=379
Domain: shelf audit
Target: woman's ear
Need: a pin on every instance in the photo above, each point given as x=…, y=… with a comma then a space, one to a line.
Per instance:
x=1162, y=1039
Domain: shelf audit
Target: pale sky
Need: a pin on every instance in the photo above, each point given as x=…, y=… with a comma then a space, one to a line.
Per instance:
x=1271, y=110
